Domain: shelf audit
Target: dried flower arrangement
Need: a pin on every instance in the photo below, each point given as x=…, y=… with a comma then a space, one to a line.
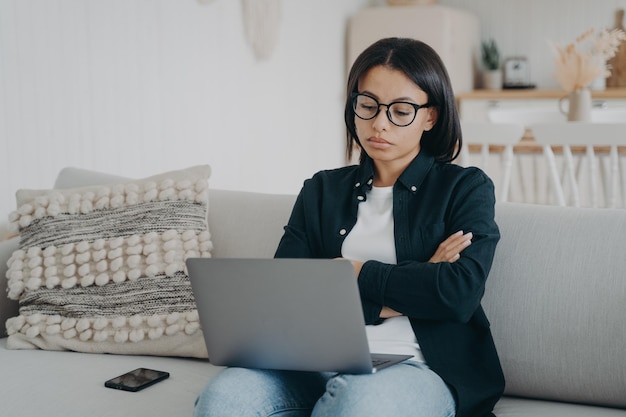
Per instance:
x=584, y=60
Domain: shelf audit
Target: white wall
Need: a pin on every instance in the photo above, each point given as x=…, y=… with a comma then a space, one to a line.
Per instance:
x=525, y=27
x=135, y=87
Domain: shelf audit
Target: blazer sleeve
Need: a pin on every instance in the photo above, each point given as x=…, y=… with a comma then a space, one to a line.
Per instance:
x=294, y=242
x=442, y=291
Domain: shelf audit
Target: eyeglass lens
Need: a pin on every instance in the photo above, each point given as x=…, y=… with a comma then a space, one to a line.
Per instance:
x=401, y=114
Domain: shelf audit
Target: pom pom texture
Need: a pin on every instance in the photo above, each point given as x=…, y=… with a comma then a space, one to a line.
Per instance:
x=105, y=265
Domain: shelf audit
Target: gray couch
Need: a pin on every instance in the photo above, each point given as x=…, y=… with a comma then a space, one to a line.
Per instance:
x=556, y=298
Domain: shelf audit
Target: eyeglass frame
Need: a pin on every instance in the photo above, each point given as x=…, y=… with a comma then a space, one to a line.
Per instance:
x=415, y=106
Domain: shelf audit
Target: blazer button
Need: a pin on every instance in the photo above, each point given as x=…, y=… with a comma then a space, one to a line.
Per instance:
x=342, y=232
x=360, y=198
x=413, y=188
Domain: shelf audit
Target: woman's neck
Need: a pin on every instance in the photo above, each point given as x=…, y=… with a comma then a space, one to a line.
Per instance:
x=384, y=182
x=386, y=174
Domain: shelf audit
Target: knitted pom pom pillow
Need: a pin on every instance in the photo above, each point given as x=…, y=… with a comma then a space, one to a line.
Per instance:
x=102, y=269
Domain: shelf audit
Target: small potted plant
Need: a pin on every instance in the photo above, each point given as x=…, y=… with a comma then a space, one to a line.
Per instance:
x=492, y=73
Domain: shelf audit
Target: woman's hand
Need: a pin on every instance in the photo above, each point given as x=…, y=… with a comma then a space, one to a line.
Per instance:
x=387, y=312
x=357, y=265
x=450, y=249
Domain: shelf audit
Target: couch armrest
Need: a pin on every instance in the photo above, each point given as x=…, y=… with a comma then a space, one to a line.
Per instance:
x=4, y=231
x=8, y=308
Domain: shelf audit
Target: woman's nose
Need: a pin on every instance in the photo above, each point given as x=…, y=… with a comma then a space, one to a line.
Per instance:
x=381, y=121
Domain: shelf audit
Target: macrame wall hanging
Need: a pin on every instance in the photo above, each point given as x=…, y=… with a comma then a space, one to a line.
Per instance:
x=261, y=19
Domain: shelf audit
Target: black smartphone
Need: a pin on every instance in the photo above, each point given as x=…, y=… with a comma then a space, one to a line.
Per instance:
x=137, y=380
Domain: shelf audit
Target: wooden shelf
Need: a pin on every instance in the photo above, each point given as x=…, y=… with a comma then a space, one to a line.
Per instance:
x=534, y=93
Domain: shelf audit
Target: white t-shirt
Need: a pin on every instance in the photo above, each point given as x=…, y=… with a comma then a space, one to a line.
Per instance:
x=372, y=238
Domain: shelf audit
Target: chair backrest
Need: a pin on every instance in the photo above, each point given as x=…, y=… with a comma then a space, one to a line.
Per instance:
x=492, y=133
x=580, y=133
x=488, y=136
x=596, y=140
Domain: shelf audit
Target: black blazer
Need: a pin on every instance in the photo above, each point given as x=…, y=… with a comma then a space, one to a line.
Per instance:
x=431, y=201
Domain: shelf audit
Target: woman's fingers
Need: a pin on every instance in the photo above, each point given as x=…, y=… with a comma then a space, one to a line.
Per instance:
x=450, y=249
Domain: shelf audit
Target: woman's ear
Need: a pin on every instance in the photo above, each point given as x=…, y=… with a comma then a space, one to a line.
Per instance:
x=431, y=120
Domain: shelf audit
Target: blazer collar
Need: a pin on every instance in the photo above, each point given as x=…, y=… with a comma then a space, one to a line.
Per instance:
x=411, y=178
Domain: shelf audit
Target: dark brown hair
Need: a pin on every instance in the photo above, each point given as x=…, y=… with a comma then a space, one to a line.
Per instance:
x=424, y=67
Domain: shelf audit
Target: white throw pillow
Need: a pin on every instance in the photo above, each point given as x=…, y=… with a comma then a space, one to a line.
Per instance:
x=102, y=268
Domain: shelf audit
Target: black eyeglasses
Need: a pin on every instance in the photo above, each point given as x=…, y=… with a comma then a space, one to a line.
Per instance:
x=400, y=113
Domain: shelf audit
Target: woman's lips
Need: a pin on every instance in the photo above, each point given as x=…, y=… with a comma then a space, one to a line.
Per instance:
x=378, y=142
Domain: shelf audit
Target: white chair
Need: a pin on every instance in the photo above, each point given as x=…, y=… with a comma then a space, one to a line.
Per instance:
x=530, y=166
x=497, y=134
x=589, y=136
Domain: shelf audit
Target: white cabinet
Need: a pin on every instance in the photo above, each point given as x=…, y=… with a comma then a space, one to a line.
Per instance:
x=537, y=105
x=453, y=33
x=479, y=110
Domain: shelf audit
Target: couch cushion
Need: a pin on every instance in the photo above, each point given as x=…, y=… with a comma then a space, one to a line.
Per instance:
x=72, y=177
x=247, y=225
x=70, y=384
x=521, y=407
x=101, y=268
x=556, y=297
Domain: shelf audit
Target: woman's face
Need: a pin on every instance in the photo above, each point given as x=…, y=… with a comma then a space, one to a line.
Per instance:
x=383, y=141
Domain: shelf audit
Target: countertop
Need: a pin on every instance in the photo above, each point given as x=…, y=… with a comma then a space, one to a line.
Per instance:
x=536, y=93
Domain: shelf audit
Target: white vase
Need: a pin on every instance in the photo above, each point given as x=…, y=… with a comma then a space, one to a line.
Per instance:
x=579, y=109
x=492, y=79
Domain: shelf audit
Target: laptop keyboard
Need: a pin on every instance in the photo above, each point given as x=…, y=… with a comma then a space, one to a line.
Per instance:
x=377, y=362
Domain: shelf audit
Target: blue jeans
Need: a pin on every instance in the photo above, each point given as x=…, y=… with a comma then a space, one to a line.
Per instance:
x=406, y=389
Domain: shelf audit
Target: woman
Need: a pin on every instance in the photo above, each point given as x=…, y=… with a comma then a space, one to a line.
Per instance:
x=421, y=235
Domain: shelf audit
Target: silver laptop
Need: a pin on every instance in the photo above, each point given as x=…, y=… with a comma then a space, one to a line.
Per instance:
x=290, y=314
